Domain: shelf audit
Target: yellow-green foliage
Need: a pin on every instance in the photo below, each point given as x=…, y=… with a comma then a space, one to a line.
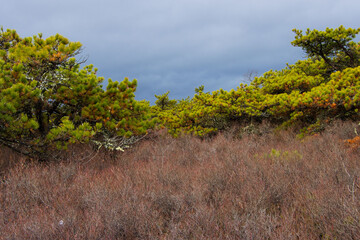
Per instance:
x=310, y=92
x=47, y=100
x=281, y=157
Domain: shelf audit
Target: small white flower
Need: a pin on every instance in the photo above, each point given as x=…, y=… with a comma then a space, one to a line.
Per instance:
x=61, y=222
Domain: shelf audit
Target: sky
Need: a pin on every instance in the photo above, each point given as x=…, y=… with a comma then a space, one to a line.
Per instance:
x=178, y=45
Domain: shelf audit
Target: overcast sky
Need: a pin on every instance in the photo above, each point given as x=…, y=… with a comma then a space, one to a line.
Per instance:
x=178, y=45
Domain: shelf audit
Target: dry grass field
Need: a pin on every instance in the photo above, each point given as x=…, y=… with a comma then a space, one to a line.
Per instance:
x=257, y=186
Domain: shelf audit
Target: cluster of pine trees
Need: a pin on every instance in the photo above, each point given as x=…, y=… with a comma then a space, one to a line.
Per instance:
x=47, y=101
x=309, y=93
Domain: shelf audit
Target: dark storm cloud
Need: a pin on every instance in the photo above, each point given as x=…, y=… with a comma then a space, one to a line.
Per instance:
x=179, y=45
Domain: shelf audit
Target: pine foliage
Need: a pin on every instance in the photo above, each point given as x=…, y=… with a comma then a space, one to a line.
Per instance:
x=309, y=93
x=47, y=100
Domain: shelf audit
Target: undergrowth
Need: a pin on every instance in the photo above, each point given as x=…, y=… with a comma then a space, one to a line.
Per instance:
x=259, y=186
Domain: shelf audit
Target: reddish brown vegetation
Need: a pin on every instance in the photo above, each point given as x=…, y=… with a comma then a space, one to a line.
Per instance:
x=272, y=186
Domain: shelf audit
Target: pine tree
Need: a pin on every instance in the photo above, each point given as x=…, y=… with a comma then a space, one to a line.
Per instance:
x=47, y=100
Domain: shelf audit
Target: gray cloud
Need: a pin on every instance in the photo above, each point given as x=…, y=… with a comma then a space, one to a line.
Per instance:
x=179, y=45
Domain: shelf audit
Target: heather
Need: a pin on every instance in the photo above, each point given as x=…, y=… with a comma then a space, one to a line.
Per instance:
x=263, y=184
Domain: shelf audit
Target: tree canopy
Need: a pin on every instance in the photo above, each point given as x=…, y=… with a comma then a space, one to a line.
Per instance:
x=46, y=99
x=309, y=93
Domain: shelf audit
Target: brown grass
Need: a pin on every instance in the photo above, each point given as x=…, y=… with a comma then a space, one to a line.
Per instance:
x=273, y=186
